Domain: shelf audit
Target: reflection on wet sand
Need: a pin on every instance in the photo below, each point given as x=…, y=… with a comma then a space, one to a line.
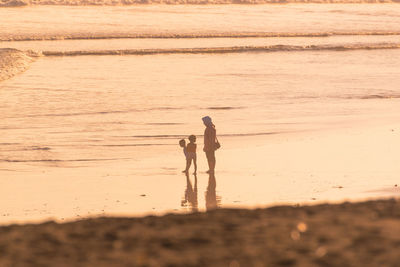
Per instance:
x=212, y=200
x=190, y=196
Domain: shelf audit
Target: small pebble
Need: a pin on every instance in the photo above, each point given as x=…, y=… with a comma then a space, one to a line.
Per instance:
x=320, y=252
x=295, y=235
x=302, y=227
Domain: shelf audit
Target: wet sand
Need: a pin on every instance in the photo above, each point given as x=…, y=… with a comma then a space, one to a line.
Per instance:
x=348, y=234
x=263, y=171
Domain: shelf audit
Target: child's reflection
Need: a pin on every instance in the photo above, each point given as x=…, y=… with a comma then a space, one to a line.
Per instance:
x=190, y=198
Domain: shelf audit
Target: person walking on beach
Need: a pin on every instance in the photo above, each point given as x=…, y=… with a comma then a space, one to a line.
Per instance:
x=210, y=143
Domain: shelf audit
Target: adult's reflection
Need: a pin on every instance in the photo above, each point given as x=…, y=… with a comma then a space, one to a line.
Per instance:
x=212, y=200
x=190, y=196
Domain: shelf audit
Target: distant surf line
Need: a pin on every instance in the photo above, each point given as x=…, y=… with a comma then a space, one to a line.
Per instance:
x=198, y=35
x=224, y=50
x=21, y=3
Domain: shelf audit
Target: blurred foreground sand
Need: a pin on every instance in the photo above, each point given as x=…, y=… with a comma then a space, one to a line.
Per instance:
x=348, y=234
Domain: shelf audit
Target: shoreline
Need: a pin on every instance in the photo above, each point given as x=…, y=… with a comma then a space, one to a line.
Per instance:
x=359, y=234
x=349, y=167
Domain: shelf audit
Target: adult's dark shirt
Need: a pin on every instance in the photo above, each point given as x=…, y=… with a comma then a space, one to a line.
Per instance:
x=209, y=139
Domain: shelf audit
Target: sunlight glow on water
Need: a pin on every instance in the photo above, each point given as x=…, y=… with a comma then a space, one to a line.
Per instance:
x=98, y=135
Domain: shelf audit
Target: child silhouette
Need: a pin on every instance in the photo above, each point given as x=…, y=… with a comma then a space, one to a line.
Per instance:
x=190, y=153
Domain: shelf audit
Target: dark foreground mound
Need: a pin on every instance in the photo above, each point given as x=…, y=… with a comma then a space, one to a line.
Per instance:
x=349, y=234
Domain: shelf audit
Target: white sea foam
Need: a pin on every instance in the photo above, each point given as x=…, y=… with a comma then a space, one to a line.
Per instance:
x=16, y=3
x=13, y=61
x=221, y=50
x=13, y=3
x=100, y=36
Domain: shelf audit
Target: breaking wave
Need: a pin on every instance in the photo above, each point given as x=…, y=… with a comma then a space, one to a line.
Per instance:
x=222, y=50
x=13, y=62
x=16, y=3
x=13, y=3
x=99, y=36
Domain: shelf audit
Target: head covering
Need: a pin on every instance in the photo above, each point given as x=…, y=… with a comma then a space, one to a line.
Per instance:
x=207, y=121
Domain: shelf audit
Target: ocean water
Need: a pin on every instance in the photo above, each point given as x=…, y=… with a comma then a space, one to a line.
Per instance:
x=94, y=99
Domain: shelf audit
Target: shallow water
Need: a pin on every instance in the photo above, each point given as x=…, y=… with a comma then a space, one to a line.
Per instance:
x=120, y=97
x=61, y=21
x=95, y=135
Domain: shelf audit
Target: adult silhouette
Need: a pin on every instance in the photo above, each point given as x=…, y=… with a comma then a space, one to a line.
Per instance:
x=210, y=135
